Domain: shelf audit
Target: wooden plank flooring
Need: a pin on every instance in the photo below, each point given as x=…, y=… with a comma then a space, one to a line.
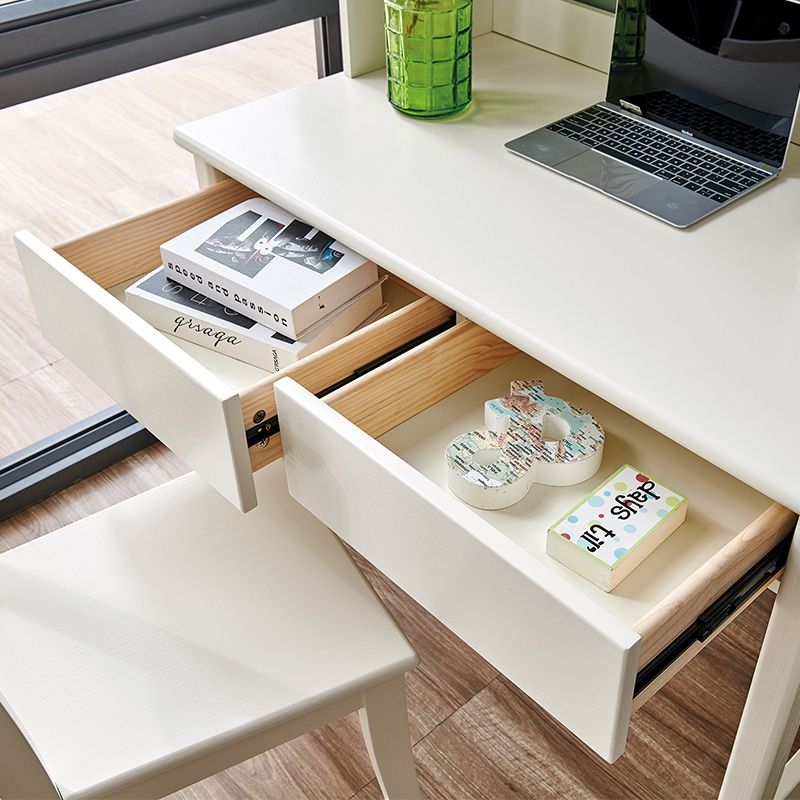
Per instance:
x=93, y=155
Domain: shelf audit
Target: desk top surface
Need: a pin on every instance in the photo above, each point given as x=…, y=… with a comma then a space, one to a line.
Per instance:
x=694, y=332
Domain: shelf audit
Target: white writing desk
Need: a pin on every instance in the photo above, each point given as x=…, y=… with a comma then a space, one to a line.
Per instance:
x=691, y=333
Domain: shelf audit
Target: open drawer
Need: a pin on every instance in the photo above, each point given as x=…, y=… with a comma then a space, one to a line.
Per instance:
x=214, y=412
x=587, y=657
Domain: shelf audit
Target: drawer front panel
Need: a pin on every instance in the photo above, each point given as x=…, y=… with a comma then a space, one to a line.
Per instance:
x=188, y=408
x=571, y=656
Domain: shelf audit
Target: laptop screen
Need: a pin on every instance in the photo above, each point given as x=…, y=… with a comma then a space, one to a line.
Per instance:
x=724, y=71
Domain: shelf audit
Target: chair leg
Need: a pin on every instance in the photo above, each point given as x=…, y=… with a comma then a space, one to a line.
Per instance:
x=384, y=721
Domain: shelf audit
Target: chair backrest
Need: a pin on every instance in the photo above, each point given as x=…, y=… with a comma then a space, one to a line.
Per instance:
x=22, y=776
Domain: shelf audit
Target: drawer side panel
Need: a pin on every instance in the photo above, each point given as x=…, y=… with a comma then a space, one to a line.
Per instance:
x=185, y=406
x=572, y=657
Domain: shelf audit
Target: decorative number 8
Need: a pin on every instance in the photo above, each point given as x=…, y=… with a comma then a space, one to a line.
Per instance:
x=530, y=438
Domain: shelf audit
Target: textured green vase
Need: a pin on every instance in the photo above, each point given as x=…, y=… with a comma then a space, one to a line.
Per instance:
x=429, y=55
x=629, y=33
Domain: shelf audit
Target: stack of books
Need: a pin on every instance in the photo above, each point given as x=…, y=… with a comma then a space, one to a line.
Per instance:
x=257, y=284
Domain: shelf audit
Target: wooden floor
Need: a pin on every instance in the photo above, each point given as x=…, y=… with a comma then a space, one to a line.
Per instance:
x=90, y=156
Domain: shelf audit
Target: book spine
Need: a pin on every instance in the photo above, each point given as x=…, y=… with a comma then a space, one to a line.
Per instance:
x=346, y=322
x=332, y=297
x=230, y=293
x=217, y=337
x=282, y=359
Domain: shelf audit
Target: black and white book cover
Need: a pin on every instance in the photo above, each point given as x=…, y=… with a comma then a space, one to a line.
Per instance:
x=259, y=260
x=186, y=313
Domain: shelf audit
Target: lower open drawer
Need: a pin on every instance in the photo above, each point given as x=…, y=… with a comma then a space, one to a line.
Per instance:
x=574, y=649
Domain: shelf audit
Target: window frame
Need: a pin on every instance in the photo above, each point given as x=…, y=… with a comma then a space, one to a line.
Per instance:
x=48, y=46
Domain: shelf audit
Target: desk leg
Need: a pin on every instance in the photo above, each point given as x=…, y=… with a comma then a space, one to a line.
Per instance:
x=206, y=174
x=772, y=712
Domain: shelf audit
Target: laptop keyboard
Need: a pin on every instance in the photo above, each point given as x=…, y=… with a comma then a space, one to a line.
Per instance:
x=698, y=169
x=715, y=127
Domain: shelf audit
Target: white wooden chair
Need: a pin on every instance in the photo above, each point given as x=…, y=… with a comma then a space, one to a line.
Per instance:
x=167, y=638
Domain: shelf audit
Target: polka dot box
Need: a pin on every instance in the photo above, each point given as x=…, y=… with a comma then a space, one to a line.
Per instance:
x=614, y=529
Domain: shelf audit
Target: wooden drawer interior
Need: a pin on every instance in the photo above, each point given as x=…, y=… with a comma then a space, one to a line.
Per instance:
x=135, y=245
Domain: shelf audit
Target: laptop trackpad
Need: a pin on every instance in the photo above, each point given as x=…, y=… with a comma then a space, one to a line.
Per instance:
x=608, y=174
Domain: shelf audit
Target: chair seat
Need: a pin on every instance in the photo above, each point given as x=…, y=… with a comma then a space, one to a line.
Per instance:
x=153, y=631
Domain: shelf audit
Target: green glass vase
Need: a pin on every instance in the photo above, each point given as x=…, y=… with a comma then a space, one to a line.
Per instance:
x=429, y=55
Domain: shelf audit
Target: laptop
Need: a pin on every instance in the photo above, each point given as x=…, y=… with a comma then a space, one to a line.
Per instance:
x=701, y=100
